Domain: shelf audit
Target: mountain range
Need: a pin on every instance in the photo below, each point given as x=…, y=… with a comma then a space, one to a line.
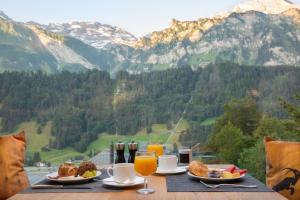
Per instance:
x=256, y=32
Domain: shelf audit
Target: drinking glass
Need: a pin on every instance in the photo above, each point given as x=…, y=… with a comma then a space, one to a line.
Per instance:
x=185, y=156
x=157, y=148
x=145, y=164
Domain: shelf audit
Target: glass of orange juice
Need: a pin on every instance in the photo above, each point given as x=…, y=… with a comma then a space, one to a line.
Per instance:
x=145, y=164
x=157, y=148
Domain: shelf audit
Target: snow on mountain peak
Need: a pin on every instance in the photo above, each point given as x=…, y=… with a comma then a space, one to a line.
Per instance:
x=4, y=16
x=95, y=34
x=265, y=6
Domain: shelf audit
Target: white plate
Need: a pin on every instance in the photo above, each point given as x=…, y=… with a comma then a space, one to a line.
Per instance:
x=69, y=179
x=110, y=182
x=216, y=180
x=178, y=170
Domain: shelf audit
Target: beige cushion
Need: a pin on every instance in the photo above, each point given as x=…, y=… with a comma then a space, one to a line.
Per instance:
x=12, y=175
x=283, y=167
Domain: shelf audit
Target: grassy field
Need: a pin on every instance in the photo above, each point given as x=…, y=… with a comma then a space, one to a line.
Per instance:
x=174, y=137
x=159, y=134
x=35, y=140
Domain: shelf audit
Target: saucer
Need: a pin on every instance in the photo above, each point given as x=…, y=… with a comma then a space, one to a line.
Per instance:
x=178, y=170
x=111, y=182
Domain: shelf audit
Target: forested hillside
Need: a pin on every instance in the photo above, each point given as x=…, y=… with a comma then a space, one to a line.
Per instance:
x=80, y=106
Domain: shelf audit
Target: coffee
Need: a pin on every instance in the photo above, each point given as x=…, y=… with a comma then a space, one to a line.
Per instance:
x=185, y=156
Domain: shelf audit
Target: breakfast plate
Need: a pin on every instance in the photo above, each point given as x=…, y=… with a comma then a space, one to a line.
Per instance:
x=69, y=179
x=111, y=182
x=215, y=180
x=178, y=170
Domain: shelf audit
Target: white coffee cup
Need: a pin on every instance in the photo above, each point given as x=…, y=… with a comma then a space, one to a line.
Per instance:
x=122, y=172
x=167, y=162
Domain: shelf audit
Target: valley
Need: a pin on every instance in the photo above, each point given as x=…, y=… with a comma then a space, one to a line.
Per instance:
x=37, y=140
x=77, y=114
x=73, y=85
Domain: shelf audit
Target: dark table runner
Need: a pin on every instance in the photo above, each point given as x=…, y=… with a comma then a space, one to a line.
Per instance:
x=96, y=186
x=185, y=183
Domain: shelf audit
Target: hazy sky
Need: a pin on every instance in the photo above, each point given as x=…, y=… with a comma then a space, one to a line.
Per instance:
x=136, y=16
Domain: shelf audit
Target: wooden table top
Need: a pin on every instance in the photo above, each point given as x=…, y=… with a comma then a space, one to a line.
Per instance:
x=159, y=184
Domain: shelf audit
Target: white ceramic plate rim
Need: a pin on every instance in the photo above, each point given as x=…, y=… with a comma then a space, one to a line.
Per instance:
x=110, y=182
x=69, y=179
x=176, y=171
x=215, y=179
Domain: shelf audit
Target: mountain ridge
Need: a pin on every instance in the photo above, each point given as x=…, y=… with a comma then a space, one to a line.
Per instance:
x=193, y=30
x=252, y=36
x=26, y=47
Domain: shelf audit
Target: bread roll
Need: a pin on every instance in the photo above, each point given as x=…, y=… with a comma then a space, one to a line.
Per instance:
x=198, y=168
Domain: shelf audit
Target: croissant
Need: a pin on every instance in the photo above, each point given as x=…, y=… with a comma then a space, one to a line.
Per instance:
x=198, y=168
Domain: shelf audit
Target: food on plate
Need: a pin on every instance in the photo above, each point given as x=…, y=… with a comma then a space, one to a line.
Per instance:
x=230, y=169
x=214, y=173
x=67, y=169
x=87, y=169
x=226, y=174
x=233, y=169
x=240, y=171
x=233, y=172
x=198, y=168
x=236, y=175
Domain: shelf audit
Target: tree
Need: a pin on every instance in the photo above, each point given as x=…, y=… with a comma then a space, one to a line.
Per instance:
x=169, y=126
x=269, y=126
x=253, y=159
x=243, y=114
x=39, y=130
x=36, y=157
x=293, y=110
x=149, y=129
x=229, y=142
x=29, y=160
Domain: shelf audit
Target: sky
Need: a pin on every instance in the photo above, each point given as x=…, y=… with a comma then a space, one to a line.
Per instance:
x=139, y=17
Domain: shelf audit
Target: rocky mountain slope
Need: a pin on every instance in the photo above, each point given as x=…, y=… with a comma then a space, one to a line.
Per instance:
x=251, y=38
x=29, y=47
x=193, y=30
x=95, y=34
x=178, y=31
x=257, y=32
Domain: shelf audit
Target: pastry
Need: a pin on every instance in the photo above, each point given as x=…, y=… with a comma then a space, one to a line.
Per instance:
x=87, y=169
x=198, y=168
x=67, y=169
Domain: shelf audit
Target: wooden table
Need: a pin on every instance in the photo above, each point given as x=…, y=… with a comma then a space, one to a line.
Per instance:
x=159, y=184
